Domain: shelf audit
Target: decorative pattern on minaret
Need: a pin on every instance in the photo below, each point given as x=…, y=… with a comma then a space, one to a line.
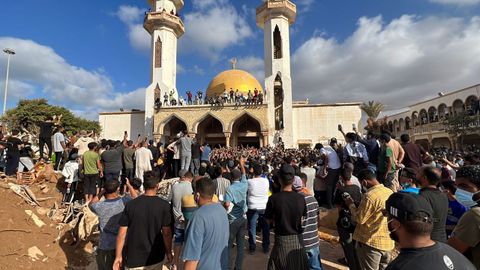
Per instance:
x=158, y=53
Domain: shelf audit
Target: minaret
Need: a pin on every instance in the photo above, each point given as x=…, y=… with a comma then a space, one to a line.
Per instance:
x=275, y=17
x=166, y=27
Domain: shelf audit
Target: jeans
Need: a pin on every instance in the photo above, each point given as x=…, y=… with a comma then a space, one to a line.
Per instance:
x=253, y=215
x=313, y=255
x=330, y=184
x=58, y=160
x=12, y=164
x=195, y=166
x=348, y=245
x=105, y=259
x=237, y=234
x=112, y=176
x=176, y=164
x=185, y=162
x=41, y=144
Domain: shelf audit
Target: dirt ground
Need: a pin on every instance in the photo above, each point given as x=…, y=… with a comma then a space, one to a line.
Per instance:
x=18, y=234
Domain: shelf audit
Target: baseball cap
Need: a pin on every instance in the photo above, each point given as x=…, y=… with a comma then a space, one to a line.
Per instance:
x=286, y=172
x=409, y=207
x=297, y=183
x=182, y=173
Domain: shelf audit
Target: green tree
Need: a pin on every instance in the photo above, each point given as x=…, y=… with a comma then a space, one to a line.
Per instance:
x=29, y=113
x=460, y=125
x=372, y=109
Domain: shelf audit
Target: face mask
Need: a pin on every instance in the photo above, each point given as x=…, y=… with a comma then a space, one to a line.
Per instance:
x=465, y=198
x=406, y=185
x=392, y=230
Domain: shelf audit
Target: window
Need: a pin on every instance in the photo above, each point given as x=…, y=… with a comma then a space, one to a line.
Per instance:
x=158, y=53
x=277, y=44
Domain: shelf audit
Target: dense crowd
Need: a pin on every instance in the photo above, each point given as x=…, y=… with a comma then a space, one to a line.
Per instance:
x=389, y=194
x=231, y=97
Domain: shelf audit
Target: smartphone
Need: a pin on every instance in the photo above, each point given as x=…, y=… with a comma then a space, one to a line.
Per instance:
x=339, y=127
x=354, y=126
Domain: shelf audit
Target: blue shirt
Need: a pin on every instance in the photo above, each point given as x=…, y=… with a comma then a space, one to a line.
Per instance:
x=206, y=153
x=237, y=194
x=207, y=238
x=109, y=213
x=455, y=212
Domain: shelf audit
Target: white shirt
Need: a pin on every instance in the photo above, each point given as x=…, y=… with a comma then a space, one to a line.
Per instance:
x=70, y=171
x=355, y=181
x=58, y=138
x=143, y=156
x=82, y=144
x=310, y=172
x=333, y=160
x=257, y=196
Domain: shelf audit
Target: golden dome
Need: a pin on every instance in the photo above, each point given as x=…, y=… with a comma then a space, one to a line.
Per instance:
x=234, y=79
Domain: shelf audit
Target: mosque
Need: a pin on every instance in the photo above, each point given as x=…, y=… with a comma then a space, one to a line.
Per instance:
x=297, y=124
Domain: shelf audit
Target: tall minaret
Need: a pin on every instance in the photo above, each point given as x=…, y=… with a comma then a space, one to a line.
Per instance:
x=275, y=17
x=166, y=27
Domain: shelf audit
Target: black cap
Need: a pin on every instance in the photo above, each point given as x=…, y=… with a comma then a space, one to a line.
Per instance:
x=409, y=207
x=286, y=172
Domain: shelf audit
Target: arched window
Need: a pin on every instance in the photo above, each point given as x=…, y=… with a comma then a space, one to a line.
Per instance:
x=277, y=43
x=158, y=53
x=278, y=103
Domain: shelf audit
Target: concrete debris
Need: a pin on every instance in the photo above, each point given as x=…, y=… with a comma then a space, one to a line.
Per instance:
x=35, y=253
x=35, y=218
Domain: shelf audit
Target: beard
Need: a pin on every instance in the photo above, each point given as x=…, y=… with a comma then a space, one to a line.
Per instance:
x=393, y=235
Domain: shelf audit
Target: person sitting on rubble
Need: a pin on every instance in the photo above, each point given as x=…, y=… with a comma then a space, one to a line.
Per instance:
x=26, y=155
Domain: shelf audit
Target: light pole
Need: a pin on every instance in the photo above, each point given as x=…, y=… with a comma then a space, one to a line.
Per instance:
x=10, y=52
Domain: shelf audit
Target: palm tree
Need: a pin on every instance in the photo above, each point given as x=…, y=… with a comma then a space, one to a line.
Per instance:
x=372, y=109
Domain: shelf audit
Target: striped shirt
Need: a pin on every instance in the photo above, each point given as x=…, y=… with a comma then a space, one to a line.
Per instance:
x=310, y=223
x=221, y=187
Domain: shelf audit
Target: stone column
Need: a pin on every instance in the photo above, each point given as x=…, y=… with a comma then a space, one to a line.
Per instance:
x=264, y=139
x=227, y=138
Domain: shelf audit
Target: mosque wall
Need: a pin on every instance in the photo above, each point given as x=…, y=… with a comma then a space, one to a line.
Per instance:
x=114, y=124
x=319, y=123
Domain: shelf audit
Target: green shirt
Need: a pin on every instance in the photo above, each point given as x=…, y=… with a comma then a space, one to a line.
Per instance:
x=90, y=159
x=385, y=154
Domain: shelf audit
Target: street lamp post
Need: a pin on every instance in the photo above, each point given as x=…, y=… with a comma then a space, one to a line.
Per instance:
x=9, y=52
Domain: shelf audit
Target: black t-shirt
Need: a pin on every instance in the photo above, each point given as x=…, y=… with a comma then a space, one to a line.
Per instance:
x=354, y=192
x=196, y=150
x=26, y=151
x=286, y=210
x=439, y=202
x=145, y=217
x=439, y=257
x=112, y=160
x=155, y=152
x=12, y=145
x=46, y=129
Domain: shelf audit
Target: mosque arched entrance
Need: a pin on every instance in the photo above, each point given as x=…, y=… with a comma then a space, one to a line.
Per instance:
x=210, y=130
x=246, y=131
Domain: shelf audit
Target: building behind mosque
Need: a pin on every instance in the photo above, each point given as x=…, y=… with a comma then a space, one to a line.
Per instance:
x=278, y=117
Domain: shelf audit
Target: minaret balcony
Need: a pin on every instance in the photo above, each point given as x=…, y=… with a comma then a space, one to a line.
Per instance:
x=178, y=3
x=275, y=8
x=156, y=20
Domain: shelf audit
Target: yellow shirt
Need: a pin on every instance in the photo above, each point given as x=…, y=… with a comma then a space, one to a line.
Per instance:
x=372, y=228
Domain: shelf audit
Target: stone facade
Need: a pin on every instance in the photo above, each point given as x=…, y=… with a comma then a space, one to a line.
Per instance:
x=423, y=120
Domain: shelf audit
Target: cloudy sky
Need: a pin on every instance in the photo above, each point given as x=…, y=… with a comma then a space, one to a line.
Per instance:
x=93, y=56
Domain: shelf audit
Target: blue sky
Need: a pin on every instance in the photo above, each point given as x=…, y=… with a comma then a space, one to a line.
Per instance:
x=93, y=56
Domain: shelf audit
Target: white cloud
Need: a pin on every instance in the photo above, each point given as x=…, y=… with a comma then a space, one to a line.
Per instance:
x=131, y=16
x=456, y=2
x=254, y=65
x=213, y=26
x=398, y=63
x=36, y=68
